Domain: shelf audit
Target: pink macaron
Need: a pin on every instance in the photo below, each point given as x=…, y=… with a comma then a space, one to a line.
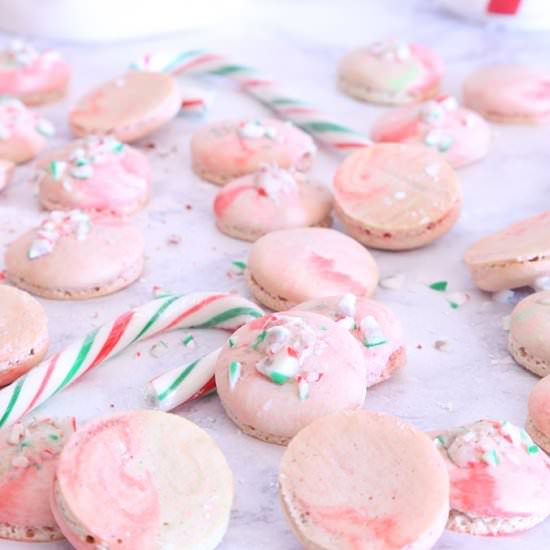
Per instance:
x=71, y=256
x=23, y=333
x=291, y=266
x=360, y=480
x=161, y=481
x=538, y=421
x=32, y=76
x=459, y=134
x=512, y=257
x=500, y=480
x=391, y=72
x=397, y=196
x=272, y=198
x=510, y=94
x=23, y=133
x=280, y=372
x=228, y=149
x=129, y=107
x=373, y=325
x=95, y=173
x=29, y=453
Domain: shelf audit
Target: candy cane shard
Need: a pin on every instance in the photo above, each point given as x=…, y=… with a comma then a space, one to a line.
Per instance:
x=198, y=310
x=262, y=88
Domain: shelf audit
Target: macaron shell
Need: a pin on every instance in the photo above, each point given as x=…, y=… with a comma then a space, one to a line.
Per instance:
x=291, y=266
x=275, y=413
x=470, y=134
x=512, y=257
x=353, y=479
x=539, y=413
x=129, y=107
x=44, y=79
x=27, y=471
x=155, y=473
x=381, y=361
x=220, y=153
x=108, y=259
x=369, y=77
x=120, y=184
x=387, y=198
x=510, y=93
x=243, y=212
x=23, y=333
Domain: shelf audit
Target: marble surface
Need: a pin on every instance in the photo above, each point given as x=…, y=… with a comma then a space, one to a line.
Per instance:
x=299, y=43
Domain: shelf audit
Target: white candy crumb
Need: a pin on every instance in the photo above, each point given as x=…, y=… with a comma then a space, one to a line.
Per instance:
x=393, y=282
x=541, y=283
x=505, y=322
x=504, y=297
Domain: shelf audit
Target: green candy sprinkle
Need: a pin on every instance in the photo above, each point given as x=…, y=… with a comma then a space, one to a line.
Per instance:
x=53, y=437
x=440, y=286
x=57, y=169
x=234, y=374
x=374, y=342
x=188, y=340
x=278, y=378
x=259, y=339
x=239, y=264
x=231, y=343
x=454, y=305
x=440, y=441
x=25, y=444
x=491, y=458
x=118, y=148
x=533, y=449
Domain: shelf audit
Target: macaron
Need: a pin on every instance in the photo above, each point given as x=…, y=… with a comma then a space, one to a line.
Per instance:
x=129, y=107
x=460, y=135
x=23, y=134
x=95, y=173
x=373, y=325
x=510, y=94
x=529, y=335
x=23, y=333
x=73, y=257
x=29, y=453
x=6, y=172
x=538, y=421
x=272, y=198
x=396, y=196
x=391, y=72
x=229, y=149
x=500, y=480
x=32, y=76
x=512, y=257
x=291, y=266
x=161, y=481
x=280, y=372
x=360, y=479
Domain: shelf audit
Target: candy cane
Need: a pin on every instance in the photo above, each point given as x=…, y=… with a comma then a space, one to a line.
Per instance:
x=301, y=113
x=199, y=310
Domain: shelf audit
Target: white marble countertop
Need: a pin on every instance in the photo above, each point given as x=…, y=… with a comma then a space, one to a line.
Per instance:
x=299, y=44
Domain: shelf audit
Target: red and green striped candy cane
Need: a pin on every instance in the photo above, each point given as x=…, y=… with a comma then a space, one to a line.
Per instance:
x=198, y=310
x=301, y=113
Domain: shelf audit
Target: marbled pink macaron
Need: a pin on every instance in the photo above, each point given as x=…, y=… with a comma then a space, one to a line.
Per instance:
x=373, y=325
x=397, y=196
x=23, y=134
x=363, y=480
x=161, y=481
x=6, y=172
x=29, y=453
x=500, y=480
x=32, y=76
x=529, y=335
x=129, y=107
x=461, y=135
x=513, y=257
x=270, y=199
x=290, y=266
x=73, y=257
x=95, y=173
x=280, y=372
x=538, y=421
x=228, y=149
x=391, y=72
x=510, y=94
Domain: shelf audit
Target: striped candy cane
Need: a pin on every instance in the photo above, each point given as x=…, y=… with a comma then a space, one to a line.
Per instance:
x=199, y=310
x=301, y=113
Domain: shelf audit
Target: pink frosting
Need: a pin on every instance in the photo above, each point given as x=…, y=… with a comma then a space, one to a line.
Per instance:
x=350, y=311
x=461, y=135
x=509, y=91
x=32, y=73
x=496, y=471
x=119, y=179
